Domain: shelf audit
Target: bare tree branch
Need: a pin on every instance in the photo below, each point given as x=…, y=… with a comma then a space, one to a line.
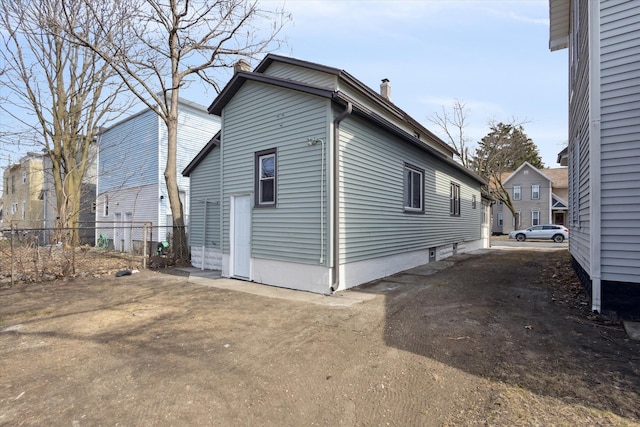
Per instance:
x=453, y=124
x=61, y=93
x=160, y=44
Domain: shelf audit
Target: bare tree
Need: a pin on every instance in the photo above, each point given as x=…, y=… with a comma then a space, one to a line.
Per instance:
x=173, y=43
x=61, y=92
x=453, y=123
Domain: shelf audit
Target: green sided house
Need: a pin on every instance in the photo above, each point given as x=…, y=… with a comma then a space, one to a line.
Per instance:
x=316, y=182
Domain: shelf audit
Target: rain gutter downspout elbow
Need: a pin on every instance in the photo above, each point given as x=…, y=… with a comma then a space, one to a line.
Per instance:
x=335, y=214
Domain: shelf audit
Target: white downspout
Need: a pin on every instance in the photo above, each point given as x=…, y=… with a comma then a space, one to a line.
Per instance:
x=220, y=194
x=335, y=183
x=204, y=232
x=595, y=228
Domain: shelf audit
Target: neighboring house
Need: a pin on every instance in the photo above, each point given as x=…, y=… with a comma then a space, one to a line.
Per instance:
x=603, y=154
x=131, y=188
x=539, y=197
x=318, y=183
x=87, y=215
x=22, y=194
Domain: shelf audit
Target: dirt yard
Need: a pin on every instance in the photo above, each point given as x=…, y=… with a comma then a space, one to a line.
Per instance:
x=502, y=338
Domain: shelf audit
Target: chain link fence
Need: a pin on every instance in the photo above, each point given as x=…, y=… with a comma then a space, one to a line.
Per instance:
x=88, y=250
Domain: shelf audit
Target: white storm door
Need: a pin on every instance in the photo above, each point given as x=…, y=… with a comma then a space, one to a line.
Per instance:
x=241, y=236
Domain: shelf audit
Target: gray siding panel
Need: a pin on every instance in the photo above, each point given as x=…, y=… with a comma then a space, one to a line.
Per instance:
x=372, y=221
x=579, y=148
x=261, y=117
x=300, y=74
x=620, y=146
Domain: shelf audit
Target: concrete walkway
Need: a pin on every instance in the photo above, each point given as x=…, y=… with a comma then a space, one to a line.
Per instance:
x=344, y=298
x=212, y=278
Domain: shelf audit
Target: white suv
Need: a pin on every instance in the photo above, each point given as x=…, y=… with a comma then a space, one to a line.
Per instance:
x=558, y=233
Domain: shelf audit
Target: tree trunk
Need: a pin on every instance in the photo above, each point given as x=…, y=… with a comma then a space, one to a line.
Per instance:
x=180, y=249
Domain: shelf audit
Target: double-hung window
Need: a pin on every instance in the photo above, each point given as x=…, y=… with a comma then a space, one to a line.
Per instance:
x=454, y=202
x=535, y=191
x=265, y=178
x=535, y=217
x=517, y=192
x=413, y=189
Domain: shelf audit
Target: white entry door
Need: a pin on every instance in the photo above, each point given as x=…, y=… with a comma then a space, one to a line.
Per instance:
x=240, y=237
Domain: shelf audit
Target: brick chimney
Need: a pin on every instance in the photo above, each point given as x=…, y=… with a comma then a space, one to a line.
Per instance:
x=385, y=89
x=241, y=65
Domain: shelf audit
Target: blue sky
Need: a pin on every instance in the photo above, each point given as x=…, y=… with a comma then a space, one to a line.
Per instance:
x=491, y=55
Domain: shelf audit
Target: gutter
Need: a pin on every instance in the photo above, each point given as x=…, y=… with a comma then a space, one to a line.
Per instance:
x=595, y=226
x=335, y=184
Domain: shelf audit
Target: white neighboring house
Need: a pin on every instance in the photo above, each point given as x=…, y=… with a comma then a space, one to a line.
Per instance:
x=603, y=155
x=131, y=188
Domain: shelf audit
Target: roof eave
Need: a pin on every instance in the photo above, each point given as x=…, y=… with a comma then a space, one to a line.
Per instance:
x=559, y=18
x=241, y=77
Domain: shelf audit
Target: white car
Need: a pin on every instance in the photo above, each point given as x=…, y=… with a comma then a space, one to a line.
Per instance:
x=557, y=233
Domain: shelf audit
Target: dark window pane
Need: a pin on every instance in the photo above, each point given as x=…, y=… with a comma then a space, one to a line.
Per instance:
x=417, y=193
x=266, y=191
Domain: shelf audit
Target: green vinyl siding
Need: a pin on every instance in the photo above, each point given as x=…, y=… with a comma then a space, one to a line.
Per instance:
x=205, y=186
x=262, y=117
x=373, y=222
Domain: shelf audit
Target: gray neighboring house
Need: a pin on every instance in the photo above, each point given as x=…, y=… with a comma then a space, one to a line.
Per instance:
x=539, y=197
x=603, y=41
x=316, y=182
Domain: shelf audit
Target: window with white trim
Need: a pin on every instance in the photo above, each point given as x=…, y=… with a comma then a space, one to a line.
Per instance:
x=535, y=217
x=535, y=191
x=413, y=189
x=24, y=177
x=473, y=201
x=517, y=192
x=500, y=219
x=106, y=206
x=454, y=202
x=265, y=178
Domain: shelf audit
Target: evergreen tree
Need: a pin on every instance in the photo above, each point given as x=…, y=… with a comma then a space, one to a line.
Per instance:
x=503, y=150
